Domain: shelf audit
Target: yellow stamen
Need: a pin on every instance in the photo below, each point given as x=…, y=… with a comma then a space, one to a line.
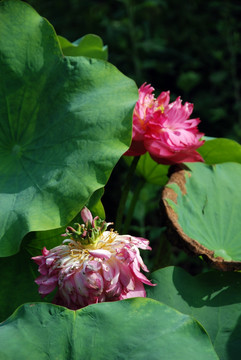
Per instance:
x=161, y=107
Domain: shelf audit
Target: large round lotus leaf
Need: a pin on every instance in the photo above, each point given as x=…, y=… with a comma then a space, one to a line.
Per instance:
x=204, y=206
x=65, y=122
x=132, y=329
x=213, y=298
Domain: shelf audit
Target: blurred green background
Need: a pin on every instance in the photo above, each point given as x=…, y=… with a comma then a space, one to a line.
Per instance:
x=191, y=48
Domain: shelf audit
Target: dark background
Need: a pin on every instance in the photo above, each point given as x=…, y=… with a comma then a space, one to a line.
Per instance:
x=191, y=48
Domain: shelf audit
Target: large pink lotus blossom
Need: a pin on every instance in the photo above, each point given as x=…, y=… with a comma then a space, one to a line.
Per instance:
x=164, y=129
x=93, y=265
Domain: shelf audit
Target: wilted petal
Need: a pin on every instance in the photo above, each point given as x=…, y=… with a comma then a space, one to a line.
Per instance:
x=91, y=265
x=46, y=285
x=107, y=269
x=50, y=260
x=138, y=291
x=136, y=270
x=108, y=272
x=38, y=259
x=126, y=277
x=141, y=243
x=100, y=253
x=79, y=282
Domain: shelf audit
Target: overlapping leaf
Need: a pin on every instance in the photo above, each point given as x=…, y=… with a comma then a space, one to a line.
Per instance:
x=89, y=45
x=59, y=118
x=132, y=329
x=150, y=170
x=213, y=298
x=216, y=151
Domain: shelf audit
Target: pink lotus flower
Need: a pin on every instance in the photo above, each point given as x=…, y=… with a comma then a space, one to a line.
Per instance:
x=93, y=265
x=142, y=113
x=164, y=129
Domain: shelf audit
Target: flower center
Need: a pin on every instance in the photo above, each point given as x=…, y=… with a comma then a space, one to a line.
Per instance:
x=87, y=233
x=161, y=107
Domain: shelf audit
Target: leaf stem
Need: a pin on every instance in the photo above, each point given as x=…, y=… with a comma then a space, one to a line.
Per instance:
x=125, y=192
x=132, y=206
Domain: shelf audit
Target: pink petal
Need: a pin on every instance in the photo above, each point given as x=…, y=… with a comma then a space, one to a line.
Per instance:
x=38, y=259
x=46, y=289
x=139, y=291
x=163, y=99
x=107, y=270
x=100, y=253
x=79, y=282
x=86, y=215
x=45, y=252
x=179, y=158
x=50, y=260
x=92, y=266
x=139, y=275
x=126, y=277
x=142, y=243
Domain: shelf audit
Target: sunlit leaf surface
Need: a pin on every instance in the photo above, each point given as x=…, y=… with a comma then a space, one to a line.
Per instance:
x=59, y=118
x=213, y=298
x=134, y=329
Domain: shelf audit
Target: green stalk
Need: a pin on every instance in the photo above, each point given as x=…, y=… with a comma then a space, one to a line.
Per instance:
x=132, y=206
x=125, y=192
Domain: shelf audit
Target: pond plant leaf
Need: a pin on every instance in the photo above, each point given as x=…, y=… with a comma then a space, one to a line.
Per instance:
x=59, y=118
x=35, y=241
x=20, y=271
x=216, y=151
x=203, y=207
x=132, y=329
x=213, y=298
x=89, y=45
x=150, y=170
x=17, y=282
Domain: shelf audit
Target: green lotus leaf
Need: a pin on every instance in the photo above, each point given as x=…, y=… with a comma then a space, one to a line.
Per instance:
x=89, y=45
x=132, y=329
x=65, y=122
x=35, y=241
x=95, y=205
x=216, y=151
x=20, y=271
x=213, y=298
x=17, y=282
x=206, y=212
x=149, y=169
